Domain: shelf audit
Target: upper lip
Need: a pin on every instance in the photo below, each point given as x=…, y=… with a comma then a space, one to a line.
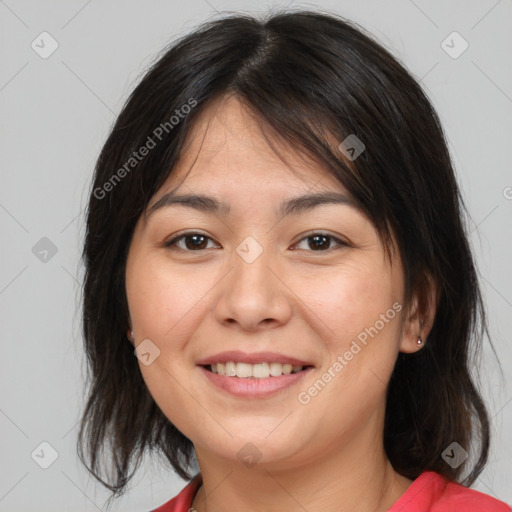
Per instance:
x=252, y=358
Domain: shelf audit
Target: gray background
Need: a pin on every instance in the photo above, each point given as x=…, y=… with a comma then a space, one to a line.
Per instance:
x=55, y=115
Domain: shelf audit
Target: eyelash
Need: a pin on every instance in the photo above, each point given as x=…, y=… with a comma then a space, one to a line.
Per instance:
x=172, y=244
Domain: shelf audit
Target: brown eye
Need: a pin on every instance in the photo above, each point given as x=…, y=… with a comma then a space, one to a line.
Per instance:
x=190, y=242
x=320, y=242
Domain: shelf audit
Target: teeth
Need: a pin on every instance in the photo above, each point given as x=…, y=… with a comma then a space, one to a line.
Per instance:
x=256, y=371
x=259, y=371
x=244, y=370
x=230, y=369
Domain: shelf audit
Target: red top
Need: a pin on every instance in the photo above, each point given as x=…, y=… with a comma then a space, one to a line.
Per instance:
x=430, y=492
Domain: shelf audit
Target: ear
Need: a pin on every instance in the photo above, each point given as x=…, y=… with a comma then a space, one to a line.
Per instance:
x=419, y=317
x=129, y=333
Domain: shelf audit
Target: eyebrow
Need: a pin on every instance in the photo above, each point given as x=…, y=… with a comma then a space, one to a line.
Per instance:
x=291, y=206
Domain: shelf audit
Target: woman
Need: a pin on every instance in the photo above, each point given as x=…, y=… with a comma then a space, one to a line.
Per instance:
x=276, y=228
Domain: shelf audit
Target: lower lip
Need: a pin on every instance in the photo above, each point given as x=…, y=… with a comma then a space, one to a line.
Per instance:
x=254, y=388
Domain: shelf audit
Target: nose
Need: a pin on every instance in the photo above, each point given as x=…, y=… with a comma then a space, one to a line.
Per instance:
x=253, y=296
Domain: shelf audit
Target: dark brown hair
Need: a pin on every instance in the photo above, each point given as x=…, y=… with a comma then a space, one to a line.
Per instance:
x=311, y=78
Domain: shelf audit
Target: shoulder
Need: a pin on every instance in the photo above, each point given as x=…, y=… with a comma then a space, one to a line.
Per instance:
x=429, y=492
x=464, y=499
x=183, y=501
x=434, y=493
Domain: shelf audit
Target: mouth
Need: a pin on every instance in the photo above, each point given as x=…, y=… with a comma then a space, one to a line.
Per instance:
x=255, y=380
x=263, y=370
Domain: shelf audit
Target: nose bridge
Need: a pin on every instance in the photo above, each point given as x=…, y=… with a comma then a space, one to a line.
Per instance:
x=252, y=293
x=251, y=273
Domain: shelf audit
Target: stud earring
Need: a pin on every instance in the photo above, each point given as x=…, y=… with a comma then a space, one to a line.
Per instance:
x=419, y=341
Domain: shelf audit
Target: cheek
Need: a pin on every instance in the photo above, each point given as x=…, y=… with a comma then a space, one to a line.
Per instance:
x=361, y=309
x=161, y=303
x=162, y=300
x=351, y=299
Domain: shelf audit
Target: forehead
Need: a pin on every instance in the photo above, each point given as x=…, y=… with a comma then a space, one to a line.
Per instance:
x=229, y=145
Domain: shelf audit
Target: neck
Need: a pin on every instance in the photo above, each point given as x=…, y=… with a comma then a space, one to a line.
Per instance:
x=356, y=478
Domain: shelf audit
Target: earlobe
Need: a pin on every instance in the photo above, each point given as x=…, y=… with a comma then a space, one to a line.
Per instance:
x=129, y=331
x=411, y=330
x=419, y=318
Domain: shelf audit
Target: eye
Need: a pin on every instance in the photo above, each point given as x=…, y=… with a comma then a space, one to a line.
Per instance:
x=192, y=241
x=321, y=242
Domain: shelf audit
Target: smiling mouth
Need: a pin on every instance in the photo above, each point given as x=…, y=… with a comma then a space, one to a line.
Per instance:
x=254, y=371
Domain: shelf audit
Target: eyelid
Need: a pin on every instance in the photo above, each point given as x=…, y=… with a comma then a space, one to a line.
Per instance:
x=180, y=235
x=336, y=239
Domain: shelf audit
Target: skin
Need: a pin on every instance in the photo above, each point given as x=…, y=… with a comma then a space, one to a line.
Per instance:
x=326, y=455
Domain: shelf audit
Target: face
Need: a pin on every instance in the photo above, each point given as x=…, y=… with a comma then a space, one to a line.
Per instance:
x=255, y=282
